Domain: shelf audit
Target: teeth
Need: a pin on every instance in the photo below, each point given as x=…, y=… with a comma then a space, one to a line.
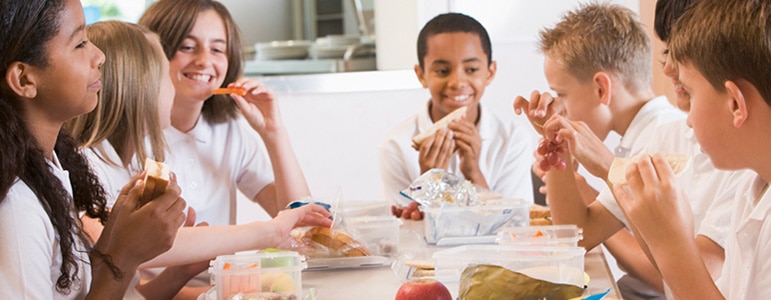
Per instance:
x=460, y=97
x=201, y=78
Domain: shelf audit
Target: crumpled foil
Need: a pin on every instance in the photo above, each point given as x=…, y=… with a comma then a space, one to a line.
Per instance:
x=439, y=188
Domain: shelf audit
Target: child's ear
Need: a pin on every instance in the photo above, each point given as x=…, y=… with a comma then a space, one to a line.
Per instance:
x=602, y=87
x=419, y=72
x=21, y=80
x=491, y=69
x=739, y=101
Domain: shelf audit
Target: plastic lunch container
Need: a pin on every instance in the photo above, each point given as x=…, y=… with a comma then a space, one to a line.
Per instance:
x=474, y=221
x=258, y=275
x=548, y=235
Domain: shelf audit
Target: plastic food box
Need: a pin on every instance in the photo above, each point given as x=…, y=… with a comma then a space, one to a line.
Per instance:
x=258, y=275
x=380, y=234
x=549, y=235
x=481, y=222
x=353, y=209
x=554, y=264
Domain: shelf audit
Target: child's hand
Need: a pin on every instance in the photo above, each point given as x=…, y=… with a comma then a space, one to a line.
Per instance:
x=288, y=219
x=469, y=144
x=539, y=108
x=136, y=234
x=258, y=106
x=654, y=203
x=436, y=151
x=409, y=212
x=582, y=144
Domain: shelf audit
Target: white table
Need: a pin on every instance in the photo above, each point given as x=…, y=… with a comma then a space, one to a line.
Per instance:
x=382, y=282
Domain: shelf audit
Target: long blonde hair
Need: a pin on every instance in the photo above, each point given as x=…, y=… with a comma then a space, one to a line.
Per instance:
x=127, y=112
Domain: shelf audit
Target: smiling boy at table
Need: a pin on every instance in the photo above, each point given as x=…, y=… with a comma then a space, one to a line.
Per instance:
x=605, y=89
x=730, y=100
x=455, y=64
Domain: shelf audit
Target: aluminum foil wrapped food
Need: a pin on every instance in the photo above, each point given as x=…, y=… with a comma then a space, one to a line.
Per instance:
x=439, y=188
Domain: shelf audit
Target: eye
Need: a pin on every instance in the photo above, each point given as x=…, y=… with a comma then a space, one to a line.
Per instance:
x=82, y=45
x=472, y=70
x=441, y=72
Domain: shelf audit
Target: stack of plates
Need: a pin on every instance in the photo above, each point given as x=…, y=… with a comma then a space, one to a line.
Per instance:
x=333, y=46
x=291, y=49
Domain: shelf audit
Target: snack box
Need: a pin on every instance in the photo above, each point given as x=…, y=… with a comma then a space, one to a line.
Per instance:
x=554, y=264
x=258, y=275
x=354, y=209
x=474, y=224
x=548, y=235
x=380, y=234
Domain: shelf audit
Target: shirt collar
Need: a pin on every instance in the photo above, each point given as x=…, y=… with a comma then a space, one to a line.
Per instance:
x=641, y=120
x=200, y=132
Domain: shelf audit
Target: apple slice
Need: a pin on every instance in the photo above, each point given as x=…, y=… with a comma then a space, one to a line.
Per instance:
x=617, y=173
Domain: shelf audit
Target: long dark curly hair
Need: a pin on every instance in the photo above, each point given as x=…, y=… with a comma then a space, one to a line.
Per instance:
x=27, y=27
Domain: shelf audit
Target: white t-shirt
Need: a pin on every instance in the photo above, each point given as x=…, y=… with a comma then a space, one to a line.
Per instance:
x=212, y=160
x=29, y=247
x=505, y=159
x=748, y=248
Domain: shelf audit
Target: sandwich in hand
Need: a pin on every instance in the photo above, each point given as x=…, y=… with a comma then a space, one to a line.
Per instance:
x=156, y=180
x=617, y=173
x=457, y=114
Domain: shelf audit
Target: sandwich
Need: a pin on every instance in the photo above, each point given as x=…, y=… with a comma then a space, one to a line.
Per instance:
x=337, y=241
x=156, y=180
x=617, y=173
x=540, y=215
x=455, y=115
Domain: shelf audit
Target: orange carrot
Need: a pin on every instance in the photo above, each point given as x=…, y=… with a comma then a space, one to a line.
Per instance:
x=236, y=90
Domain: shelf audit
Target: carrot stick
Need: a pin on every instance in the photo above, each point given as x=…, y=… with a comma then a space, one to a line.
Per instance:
x=226, y=91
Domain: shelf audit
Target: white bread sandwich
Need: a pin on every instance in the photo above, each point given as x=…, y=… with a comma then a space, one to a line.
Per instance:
x=156, y=180
x=617, y=173
x=442, y=123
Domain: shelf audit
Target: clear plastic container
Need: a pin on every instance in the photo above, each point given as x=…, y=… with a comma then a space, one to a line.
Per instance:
x=380, y=234
x=548, y=235
x=474, y=221
x=258, y=275
x=554, y=264
x=354, y=209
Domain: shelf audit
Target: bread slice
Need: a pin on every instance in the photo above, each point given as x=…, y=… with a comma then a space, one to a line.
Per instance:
x=337, y=241
x=156, y=180
x=442, y=123
x=617, y=173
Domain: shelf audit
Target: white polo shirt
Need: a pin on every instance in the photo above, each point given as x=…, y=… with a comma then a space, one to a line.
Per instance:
x=29, y=247
x=212, y=160
x=643, y=129
x=505, y=159
x=113, y=177
x=711, y=192
x=747, y=270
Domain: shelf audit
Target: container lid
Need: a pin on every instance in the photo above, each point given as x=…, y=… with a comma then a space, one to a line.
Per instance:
x=257, y=261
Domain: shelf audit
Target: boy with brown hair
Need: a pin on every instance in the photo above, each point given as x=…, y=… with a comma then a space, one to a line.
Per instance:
x=730, y=100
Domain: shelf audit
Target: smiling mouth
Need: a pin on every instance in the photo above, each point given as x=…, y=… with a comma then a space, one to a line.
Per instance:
x=460, y=98
x=199, y=77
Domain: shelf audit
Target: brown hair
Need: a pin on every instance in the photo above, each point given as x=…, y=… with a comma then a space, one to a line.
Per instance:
x=601, y=37
x=726, y=40
x=127, y=111
x=173, y=20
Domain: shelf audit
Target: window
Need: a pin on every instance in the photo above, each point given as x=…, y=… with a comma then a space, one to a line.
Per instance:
x=101, y=10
